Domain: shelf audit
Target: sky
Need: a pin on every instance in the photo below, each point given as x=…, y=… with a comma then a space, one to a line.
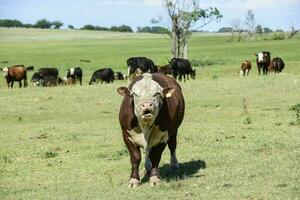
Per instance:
x=275, y=14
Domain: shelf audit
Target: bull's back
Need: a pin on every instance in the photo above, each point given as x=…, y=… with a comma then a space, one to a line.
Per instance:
x=18, y=72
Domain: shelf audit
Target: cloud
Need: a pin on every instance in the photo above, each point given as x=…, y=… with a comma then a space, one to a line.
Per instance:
x=156, y=3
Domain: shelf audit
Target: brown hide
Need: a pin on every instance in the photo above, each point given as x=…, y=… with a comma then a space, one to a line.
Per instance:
x=168, y=120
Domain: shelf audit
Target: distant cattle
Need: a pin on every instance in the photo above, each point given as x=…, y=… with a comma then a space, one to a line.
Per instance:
x=73, y=75
x=150, y=115
x=263, y=60
x=16, y=73
x=102, y=75
x=277, y=65
x=119, y=76
x=166, y=69
x=245, y=68
x=140, y=65
x=46, y=77
x=182, y=67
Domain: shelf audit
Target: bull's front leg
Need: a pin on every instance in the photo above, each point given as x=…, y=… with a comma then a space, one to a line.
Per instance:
x=135, y=158
x=155, y=156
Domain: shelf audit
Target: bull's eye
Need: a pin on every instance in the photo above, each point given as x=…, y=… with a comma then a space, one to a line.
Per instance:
x=156, y=94
x=135, y=94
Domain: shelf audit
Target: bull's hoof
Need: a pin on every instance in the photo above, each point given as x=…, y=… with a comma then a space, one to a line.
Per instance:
x=154, y=180
x=133, y=182
x=174, y=163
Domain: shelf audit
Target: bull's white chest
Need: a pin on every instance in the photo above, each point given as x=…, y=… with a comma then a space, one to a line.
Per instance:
x=148, y=137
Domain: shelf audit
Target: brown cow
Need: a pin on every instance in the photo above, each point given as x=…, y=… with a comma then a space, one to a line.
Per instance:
x=166, y=69
x=16, y=73
x=245, y=68
x=150, y=115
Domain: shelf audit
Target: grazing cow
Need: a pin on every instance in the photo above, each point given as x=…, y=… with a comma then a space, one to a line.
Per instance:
x=46, y=77
x=104, y=75
x=263, y=60
x=245, y=68
x=142, y=63
x=166, y=69
x=182, y=67
x=74, y=74
x=277, y=64
x=16, y=73
x=150, y=115
x=119, y=76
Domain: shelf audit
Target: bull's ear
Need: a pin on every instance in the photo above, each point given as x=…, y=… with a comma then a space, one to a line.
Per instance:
x=167, y=92
x=124, y=91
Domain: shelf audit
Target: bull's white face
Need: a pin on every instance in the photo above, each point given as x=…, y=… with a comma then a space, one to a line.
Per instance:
x=5, y=71
x=72, y=70
x=260, y=57
x=147, y=96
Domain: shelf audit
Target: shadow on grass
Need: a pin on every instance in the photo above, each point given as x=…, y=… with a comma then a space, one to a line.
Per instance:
x=186, y=170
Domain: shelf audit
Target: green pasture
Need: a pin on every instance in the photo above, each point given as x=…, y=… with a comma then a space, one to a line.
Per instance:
x=240, y=138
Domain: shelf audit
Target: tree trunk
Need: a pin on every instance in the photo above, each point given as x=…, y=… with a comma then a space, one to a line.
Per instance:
x=185, y=50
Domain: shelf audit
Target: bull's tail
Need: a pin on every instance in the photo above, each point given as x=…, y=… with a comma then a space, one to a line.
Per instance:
x=30, y=68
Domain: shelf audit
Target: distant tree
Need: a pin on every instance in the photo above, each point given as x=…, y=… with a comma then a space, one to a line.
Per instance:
x=183, y=14
x=250, y=24
x=125, y=28
x=236, y=28
x=258, y=29
x=225, y=30
x=10, y=23
x=114, y=28
x=279, y=30
x=293, y=32
x=43, y=23
x=267, y=30
x=160, y=30
x=70, y=26
x=28, y=25
x=100, y=28
x=57, y=24
x=146, y=29
x=88, y=27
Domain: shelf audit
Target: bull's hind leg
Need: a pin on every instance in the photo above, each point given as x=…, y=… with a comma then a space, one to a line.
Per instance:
x=172, y=144
x=155, y=156
x=135, y=158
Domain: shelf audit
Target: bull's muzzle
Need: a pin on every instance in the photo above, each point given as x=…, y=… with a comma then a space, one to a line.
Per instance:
x=147, y=110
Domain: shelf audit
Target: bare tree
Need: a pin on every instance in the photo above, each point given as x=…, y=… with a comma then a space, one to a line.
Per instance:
x=236, y=28
x=250, y=23
x=184, y=14
x=293, y=32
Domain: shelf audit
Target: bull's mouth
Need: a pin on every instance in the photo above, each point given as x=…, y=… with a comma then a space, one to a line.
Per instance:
x=147, y=115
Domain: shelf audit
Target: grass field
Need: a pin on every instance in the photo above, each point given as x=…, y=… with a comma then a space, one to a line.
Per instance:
x=237, y=140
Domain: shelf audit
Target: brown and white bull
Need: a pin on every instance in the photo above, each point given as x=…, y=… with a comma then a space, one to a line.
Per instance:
x=150, y=115
x=245, y=68
x=16, y=73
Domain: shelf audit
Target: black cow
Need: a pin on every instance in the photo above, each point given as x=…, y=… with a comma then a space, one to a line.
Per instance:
x=46, y=77
x=182, y=67
x=104, y=75
x=140, y=64
x=150, y=115
x=74, y=74
x=119, y=76
x=263, y=60
x=278, y=64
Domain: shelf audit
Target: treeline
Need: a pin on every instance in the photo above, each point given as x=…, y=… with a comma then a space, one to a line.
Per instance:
x=122, y=28
x=43, y=23
x=153, y=29
x=258, y=30
x=46, y=24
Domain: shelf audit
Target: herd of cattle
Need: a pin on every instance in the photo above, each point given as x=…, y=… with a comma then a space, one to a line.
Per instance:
x=264, y=64
x=46, y=77
x=177, y=67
